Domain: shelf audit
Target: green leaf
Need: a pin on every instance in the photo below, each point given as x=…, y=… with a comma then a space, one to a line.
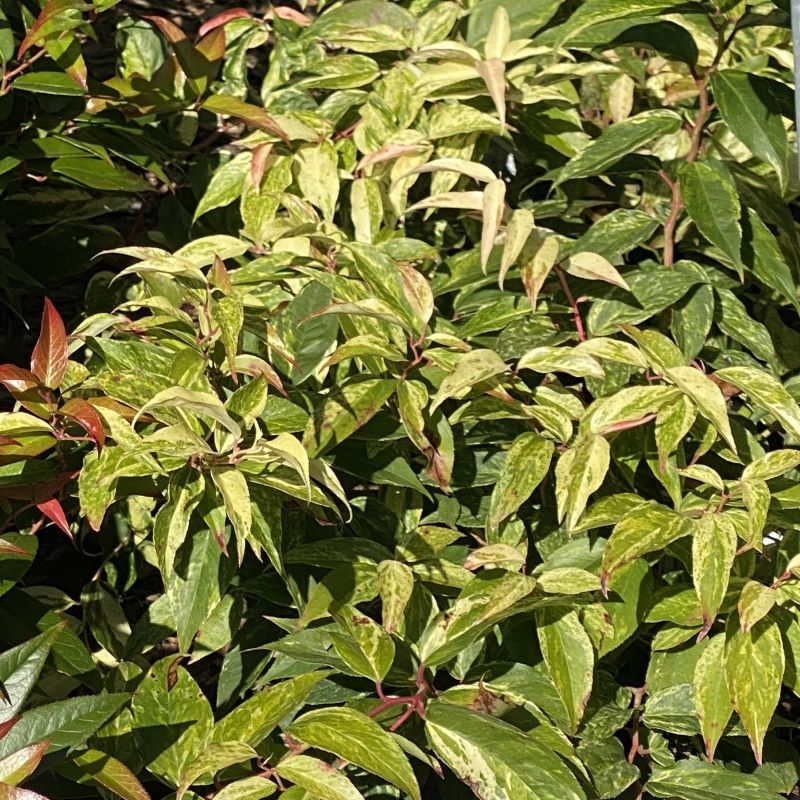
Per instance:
x=473, y=368
x=360, y=740
x=213, y=758
x=763, y=254
x=343, y=411
x=692, y=779
x=647, y=527
x=628, y=405
x=706, y=395
x=195, y=585
x=496, y=759
x=754, y=664
x=368, y=650
x=755, y=602
x=98, y=174
x=171, y=522
x=593, y=12
x=619, y=140
x=310, y=337
x=484, y=601
x=199, y=402
x=317, y=176
x=317, y=777
x=750, y=119
x=254, y=788
x=526, y=465
x=20, y=668
x=524, y=20
x=546, y=359
x=712, y=700
x=226, y=184
x=172, y=720
x=395, y=585
x=254, y=719
x=579, y=472
x=65, y=723
x=767, y=392
x=233, y=487
x=110, y=773
x=714, y=543
x=46, y=82
x=692, y=318
x=228, y=314
x=569, y=656
x=710, y=199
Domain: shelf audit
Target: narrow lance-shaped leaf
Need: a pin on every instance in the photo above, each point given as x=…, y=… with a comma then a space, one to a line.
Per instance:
x=754, y=664
x=580, y=471
x=525, y=467
x=617, y=141
x=713, y=550
x=569, y=656
x=49, y=357
x=712, y=700
x=710, y=198
x=743, y=108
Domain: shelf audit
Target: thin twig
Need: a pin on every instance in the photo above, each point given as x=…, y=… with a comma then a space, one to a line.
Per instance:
x=576, y=314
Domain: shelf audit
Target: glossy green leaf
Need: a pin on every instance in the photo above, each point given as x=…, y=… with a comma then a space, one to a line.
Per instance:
x=360, y=740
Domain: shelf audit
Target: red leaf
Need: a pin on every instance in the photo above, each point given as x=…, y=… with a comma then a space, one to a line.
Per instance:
x=17, y=379
x=52, y=510
x=49, y=358
x=85, y=415
x=222, y=19
x=7, y=441
x=6, y=726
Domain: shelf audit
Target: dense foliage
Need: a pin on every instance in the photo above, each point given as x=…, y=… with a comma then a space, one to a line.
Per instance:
x=443, y=441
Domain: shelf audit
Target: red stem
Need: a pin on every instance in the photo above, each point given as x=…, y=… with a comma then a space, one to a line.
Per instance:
x=576, y=314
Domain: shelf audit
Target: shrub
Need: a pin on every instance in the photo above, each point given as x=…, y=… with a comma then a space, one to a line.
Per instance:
x=458, y=451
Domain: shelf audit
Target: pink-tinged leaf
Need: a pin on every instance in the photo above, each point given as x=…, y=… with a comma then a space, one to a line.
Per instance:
x=251, y=115
x=6, y=726
x=15, y=793
x=255, y=366
x=212, y=47
x=259, y=163
x=18, y=766
x=171, y=31
x=9, y=550
x=286, y=12
x=55, y=513
x=222, y=19
x=49, y=358
x=85, y=415
x=218, y=276
x=17, y=379
x=50, y=10
x=7, y=441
